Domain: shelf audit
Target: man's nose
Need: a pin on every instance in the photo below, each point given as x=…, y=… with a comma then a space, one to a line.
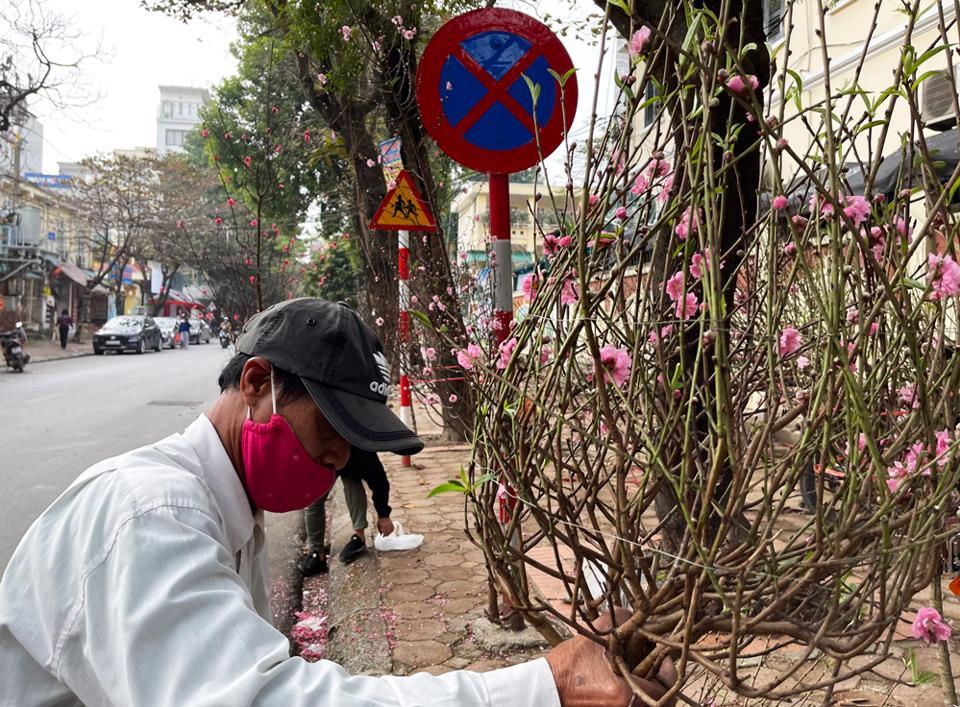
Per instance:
x=338, y=454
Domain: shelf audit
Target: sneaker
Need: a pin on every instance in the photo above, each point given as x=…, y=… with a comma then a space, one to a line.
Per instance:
x=312, y=564
x=352, y=550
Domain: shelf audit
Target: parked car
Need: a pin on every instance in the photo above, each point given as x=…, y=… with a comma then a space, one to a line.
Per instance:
x=168, y=329
x=128, y=333
x=199, y=332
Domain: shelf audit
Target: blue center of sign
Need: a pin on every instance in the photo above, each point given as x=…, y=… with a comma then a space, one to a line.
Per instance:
x=507, y=123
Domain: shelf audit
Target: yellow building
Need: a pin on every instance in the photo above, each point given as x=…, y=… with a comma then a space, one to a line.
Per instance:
x=472, y=207
x=44, y=245
x=852, y=60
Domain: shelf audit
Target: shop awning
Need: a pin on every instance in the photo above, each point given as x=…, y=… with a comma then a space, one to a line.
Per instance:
x=131, y=274
x=71, y=271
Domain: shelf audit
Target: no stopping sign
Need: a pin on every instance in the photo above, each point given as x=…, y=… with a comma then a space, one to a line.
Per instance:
x=473, y=97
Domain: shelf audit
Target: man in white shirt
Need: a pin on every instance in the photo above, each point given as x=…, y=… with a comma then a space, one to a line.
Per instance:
x=144, y=583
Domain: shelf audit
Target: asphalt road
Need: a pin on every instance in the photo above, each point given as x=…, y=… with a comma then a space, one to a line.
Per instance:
x=59, y=417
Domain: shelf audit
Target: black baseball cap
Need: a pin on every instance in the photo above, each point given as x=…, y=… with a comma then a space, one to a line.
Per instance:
x=341, y=363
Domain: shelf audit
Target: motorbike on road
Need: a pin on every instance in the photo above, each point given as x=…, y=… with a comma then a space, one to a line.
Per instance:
x=224, y=339
x=13, y=354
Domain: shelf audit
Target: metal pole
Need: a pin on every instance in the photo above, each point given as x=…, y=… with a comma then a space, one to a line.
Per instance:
x=403, y=266
x=502, y=269
x=502, y=265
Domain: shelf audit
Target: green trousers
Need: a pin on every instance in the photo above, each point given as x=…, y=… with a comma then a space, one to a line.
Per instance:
x=315, y=515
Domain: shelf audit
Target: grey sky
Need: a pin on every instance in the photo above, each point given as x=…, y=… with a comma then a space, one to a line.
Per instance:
x=142, y=50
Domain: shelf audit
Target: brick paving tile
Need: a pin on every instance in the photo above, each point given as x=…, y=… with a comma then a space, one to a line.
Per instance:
x=420, y=629
x=420, y=653
x=410, y=576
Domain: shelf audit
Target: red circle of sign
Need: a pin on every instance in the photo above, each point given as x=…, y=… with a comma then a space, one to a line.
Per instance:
x=451, y=140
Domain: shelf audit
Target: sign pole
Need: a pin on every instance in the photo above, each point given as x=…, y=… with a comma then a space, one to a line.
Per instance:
x=404, y=210
x=403, y=266
x=502, y=265
x=502, y=268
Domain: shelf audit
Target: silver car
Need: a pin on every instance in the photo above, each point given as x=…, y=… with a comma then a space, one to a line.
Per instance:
x=168, y=329
x=199, y=332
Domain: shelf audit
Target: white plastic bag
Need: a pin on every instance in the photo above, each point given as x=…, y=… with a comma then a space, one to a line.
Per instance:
x=397, y=540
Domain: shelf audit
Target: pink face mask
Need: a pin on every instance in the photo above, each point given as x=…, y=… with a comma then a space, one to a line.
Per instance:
x=280, y=475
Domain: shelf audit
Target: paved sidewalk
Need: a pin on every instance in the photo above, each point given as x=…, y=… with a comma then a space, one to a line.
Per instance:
x=418, y=610
x=41, y=350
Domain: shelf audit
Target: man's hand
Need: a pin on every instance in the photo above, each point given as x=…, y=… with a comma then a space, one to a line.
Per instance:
x=385, y=526
x=585, y=678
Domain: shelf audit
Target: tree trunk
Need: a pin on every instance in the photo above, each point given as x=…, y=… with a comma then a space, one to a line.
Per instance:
x=738, y=214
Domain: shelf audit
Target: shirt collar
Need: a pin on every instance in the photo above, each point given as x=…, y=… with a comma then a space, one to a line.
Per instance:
x=217, y=471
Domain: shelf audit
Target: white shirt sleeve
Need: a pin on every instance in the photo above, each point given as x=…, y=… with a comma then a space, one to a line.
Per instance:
x=165, y=620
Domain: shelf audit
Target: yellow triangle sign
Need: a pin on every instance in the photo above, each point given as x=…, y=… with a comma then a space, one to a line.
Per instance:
x=403, y=209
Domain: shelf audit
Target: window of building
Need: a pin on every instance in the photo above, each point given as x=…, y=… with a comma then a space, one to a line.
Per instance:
x=167, y=109
x=175, y=137
x=650, y=109
x=180, y=108
x=773, y=19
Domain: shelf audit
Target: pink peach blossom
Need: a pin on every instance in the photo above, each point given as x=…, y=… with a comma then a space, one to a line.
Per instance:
x=857, y=209
x=930, y=627
x=824, y=208
x=529, y=287
x=697, y=265
x=552, y=243
x=675, y=286
x=469, y=356
x=688, y=306
x=790, y=341
x=780, y=202
x=638, y=41
x=896, y=475
x=506, y=351
x=944, y=275
x=688, y=223
x=614, y=364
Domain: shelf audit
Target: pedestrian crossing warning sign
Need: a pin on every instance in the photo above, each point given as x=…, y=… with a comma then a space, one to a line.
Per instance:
x=403, y=209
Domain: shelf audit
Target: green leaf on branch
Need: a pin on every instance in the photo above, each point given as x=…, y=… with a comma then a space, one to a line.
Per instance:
x=621, y=4
x=462, y=485
x=534, y=89
x=452, y=486
x=916, y=284
x=422, y=318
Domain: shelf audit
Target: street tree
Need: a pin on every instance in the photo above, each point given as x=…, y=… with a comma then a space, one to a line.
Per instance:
x=39, y=58
x=117, y=198
x=332, y=273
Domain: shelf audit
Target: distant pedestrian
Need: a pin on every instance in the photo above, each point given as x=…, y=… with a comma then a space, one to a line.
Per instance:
x=184, y=329
x=64, y=322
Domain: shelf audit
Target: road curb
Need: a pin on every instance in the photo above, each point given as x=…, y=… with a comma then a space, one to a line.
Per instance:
x=284, y=533
x=60, y=358
x=357, y=637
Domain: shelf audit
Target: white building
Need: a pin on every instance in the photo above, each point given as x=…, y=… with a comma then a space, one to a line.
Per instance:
x=178, y=114
x=28, y=137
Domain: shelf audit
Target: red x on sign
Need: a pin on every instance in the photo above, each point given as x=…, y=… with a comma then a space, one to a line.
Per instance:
x=476, y=84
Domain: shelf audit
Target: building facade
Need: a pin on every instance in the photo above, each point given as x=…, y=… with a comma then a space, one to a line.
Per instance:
x=177, y=115
x=44, y=253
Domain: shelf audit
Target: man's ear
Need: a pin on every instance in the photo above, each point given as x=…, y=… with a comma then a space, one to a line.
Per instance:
x=255, y=381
